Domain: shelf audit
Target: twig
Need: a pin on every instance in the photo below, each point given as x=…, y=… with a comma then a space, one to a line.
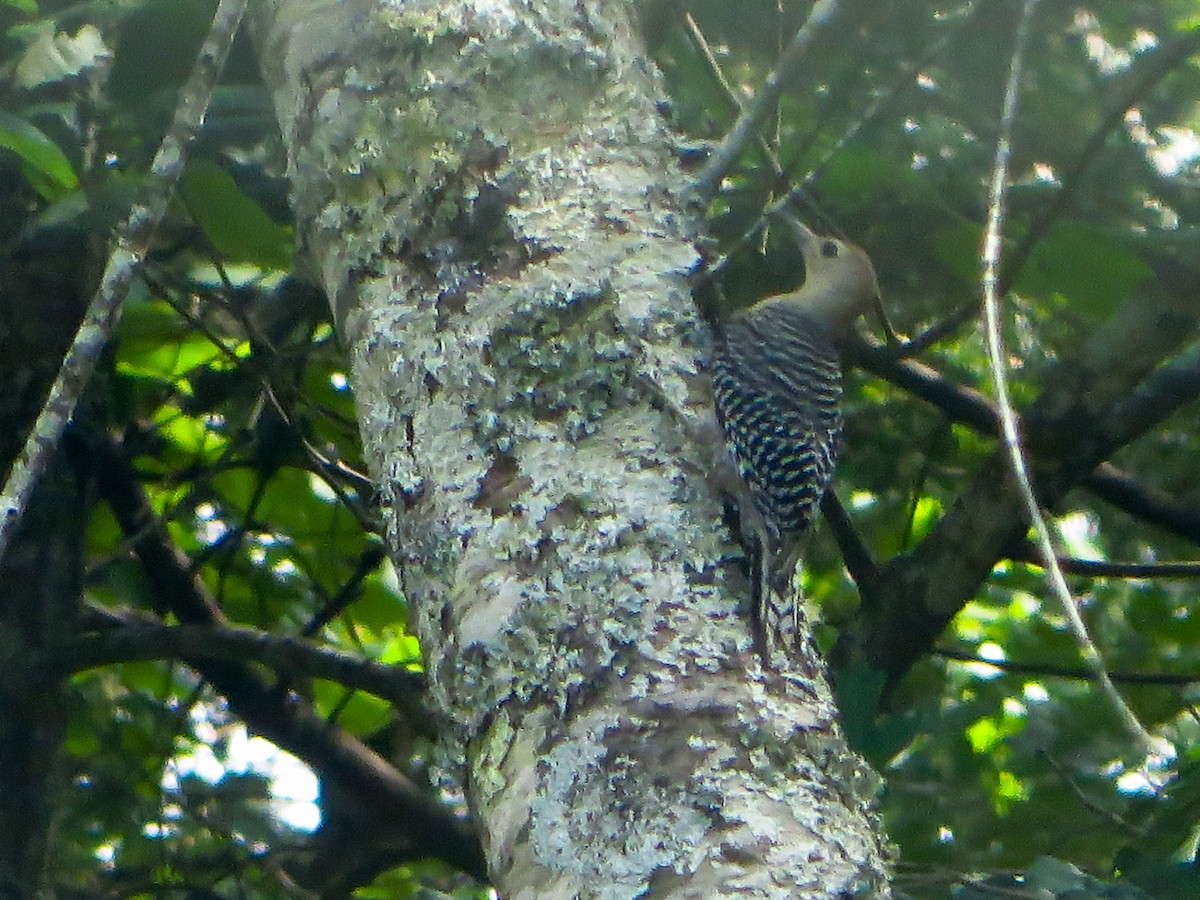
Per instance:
x=799, y=191
x=134, y=241
x=143, y=640
x=735, y=102
x=1156, y=68
x=1051, y=670
x=351, y=590
x=1098, y=568
x=754, y=112
x=1008, y=417
x=1088, y=803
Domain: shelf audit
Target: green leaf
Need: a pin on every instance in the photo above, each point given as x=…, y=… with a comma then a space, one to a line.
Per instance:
x=38, y=153
x=1085, y=264
x=379, y=608
x=360, y=714
x=236, y=225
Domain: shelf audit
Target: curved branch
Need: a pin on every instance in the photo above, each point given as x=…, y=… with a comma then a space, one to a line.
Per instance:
x=1010, y=428
x=1153, y=67
x=398, y=815
x=231, y=643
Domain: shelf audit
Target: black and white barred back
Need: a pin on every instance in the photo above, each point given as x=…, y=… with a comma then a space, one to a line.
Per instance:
x=778, y=384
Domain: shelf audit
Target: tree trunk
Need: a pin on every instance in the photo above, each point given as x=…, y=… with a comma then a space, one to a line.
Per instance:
x=41, y=575
x=488, y=195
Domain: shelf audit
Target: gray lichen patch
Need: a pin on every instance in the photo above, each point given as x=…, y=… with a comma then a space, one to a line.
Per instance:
x=489, y=195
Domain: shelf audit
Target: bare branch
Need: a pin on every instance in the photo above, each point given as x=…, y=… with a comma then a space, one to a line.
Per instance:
x=135, y=239
x=1008, y=416
x=727, y=90
x=1099, y=568
x=233, y=643
x=1052, y=670
x=760, y=107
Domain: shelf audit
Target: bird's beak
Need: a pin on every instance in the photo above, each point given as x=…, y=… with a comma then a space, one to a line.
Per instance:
x=804, y=237
x=889, y=333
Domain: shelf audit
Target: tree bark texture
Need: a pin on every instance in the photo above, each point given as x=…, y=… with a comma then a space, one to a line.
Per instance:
x=41, y=575
x=488, y=194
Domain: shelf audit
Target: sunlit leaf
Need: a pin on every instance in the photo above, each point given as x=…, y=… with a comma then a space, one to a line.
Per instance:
x=39, y=153
x=237, y=227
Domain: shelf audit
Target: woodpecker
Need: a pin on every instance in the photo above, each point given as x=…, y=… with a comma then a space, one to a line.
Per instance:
x=777, y=383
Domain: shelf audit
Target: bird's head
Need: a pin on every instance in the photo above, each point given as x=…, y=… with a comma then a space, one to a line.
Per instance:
x=839, y=280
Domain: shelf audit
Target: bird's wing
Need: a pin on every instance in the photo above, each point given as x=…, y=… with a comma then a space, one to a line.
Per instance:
x=778, y=386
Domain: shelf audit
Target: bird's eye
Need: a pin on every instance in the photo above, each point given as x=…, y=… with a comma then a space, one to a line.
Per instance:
x=829, y=249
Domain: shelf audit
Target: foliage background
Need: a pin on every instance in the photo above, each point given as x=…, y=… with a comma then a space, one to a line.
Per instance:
x=226, y=398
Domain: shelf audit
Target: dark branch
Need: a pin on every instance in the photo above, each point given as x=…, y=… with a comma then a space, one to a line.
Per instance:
x=1082, y=416
x=960, y=404
x=232, y=643
x=1148, y=504
x=1166, y=390
x=1050, y=670
x=396, y=812
x=1097, y=568
x=859, y=562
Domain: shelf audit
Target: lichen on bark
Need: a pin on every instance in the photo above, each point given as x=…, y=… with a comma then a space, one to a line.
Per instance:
x=489, y=195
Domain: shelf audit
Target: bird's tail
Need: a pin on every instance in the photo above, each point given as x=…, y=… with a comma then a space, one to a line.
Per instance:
x=775, y=606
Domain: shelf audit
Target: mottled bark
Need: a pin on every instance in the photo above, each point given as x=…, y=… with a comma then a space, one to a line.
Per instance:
x=487, y=193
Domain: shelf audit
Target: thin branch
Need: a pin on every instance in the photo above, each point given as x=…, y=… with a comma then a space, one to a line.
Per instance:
x=351, y=590
x=134, y=241
x=1098, y=568
x=731, y=96
x=1088, y=803
x=1158, y=64
x=142, y=641
x=764, y=101
x=1052, y=670
x=857, y=556
x=1008, y=417
x=799, y=192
